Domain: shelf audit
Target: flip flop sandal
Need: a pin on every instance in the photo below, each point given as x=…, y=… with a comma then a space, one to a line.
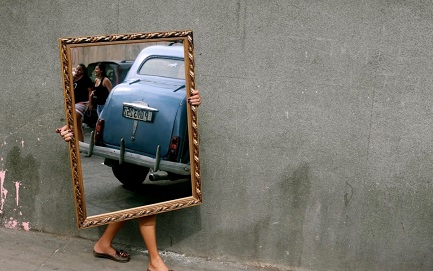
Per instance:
x=121, y=256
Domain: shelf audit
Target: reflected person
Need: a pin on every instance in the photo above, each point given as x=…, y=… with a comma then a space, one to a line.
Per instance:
x=103, y=87
x=82, y=93
x=147, y=225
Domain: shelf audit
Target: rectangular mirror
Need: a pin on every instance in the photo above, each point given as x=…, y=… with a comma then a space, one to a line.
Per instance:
x=136, y=147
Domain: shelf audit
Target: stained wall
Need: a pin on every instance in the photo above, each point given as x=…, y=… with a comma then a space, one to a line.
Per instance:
x=315, y=129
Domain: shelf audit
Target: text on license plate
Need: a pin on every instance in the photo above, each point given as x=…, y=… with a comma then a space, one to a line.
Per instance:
x=137, y=114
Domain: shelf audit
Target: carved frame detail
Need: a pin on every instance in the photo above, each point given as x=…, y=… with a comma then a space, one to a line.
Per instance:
x=65, y=58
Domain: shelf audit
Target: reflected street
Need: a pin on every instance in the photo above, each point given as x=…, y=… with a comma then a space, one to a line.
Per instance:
x=104, y=193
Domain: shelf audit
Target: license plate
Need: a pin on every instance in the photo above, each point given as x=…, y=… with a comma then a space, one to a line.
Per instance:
x=136, y=114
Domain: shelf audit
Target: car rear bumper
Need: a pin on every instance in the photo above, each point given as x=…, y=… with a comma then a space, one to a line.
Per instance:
x=133, y=158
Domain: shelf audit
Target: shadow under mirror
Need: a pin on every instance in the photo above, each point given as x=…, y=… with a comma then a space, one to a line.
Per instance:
x=134, y=138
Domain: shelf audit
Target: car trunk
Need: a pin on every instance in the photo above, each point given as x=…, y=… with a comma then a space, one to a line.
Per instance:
x=142, y=134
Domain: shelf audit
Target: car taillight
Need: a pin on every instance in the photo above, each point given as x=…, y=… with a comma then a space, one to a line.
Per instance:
x=99, y=132
x=173, y=148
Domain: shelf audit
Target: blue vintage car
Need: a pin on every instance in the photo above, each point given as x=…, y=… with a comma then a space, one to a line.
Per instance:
x=144, y=122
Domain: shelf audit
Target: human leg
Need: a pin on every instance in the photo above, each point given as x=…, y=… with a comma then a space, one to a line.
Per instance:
x=147, y=226
x=103, y=245
x=99, y=109
x=80, y=133
x=80, y=109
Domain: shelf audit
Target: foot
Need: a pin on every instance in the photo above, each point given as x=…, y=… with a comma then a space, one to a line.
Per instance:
x=120, y=256
x=157, y=264
x=107, y=251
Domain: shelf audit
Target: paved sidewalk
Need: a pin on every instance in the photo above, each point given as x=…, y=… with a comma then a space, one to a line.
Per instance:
x=35, y=251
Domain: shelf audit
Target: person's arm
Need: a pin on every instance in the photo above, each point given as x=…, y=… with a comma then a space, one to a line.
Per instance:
x=89, y=104
x=107, y=83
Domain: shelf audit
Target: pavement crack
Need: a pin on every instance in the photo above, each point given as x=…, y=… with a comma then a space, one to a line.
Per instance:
x=52, y=254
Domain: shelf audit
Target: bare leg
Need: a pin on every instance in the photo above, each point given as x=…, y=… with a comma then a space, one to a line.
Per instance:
x=103, y=245
x=80, y=133
x=147, y=226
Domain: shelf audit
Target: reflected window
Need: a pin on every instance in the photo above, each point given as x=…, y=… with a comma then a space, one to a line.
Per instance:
x=164, y=67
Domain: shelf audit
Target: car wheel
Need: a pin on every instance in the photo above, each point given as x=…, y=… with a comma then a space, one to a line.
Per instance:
x=129, y=174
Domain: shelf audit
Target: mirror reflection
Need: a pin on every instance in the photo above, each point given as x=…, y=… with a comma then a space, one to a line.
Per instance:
x=132, y=124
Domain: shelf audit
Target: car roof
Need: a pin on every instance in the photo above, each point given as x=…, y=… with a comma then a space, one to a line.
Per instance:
x=175, y=51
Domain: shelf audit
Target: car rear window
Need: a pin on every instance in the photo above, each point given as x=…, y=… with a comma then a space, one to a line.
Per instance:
x=165, y=67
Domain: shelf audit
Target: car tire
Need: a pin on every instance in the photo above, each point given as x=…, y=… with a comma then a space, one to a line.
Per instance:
x=129, y=174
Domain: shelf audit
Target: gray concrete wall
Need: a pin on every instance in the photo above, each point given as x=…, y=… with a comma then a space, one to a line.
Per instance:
x=315, y=130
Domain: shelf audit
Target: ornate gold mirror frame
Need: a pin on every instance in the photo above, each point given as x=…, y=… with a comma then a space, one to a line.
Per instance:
x=66, y=46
